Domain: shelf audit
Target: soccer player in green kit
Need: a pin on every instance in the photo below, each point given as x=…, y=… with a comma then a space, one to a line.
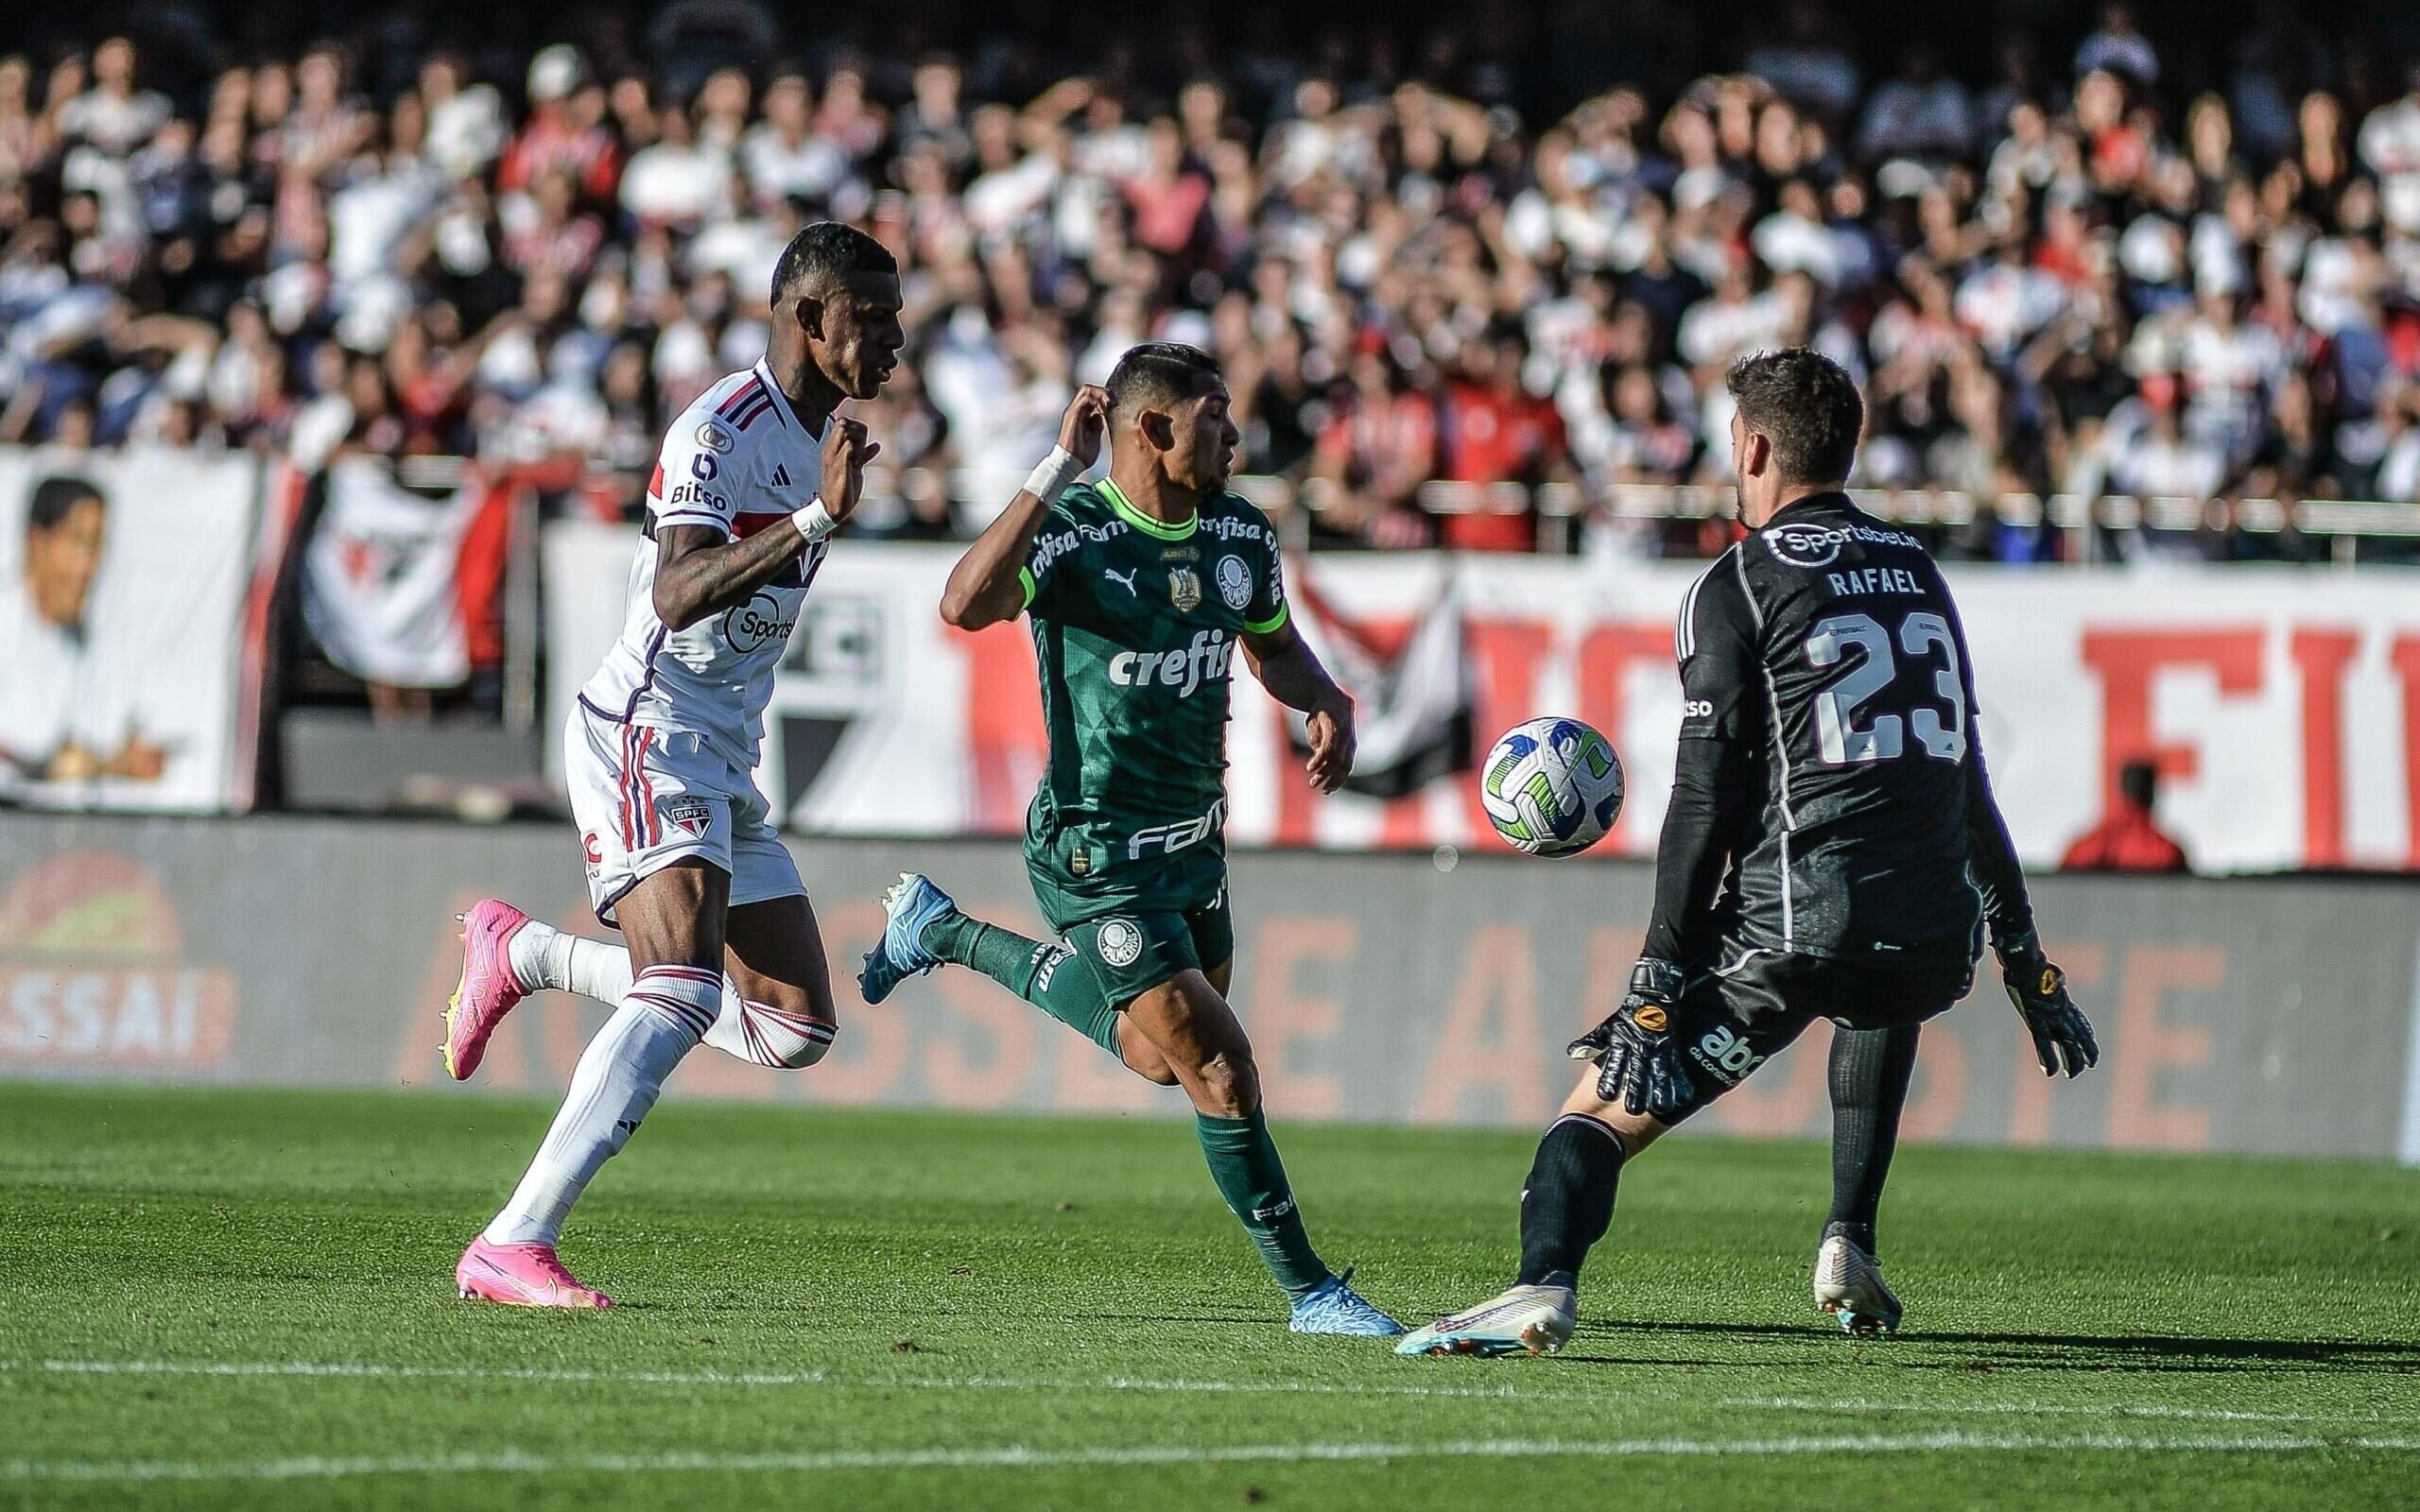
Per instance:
x=1140, y=587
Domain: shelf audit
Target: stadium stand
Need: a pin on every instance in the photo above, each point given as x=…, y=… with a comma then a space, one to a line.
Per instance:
x=1451, y=316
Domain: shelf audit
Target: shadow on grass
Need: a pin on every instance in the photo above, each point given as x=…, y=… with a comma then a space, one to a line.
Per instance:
x=1926, y=1349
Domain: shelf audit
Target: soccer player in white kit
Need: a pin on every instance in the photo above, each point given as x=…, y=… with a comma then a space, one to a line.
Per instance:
x=681, y=854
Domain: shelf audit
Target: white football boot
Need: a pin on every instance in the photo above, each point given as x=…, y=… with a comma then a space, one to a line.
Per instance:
x=1849, y=1284
x=1524, y=1320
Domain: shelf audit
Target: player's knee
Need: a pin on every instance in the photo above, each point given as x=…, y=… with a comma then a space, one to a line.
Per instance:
x=785, y=1040
x=807, y=1051
x=1230, y=1081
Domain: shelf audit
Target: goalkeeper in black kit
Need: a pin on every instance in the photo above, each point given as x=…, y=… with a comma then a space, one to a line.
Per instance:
x=1832, y=851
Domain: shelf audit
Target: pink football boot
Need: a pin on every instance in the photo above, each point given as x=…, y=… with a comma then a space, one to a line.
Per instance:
x=522, y=1276
x=489, y=989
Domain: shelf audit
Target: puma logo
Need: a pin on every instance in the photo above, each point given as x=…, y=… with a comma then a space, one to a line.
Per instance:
x=1125, y=580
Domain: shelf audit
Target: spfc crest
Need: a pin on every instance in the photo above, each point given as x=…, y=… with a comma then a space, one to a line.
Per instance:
x=1184, y=589
x=690, y=814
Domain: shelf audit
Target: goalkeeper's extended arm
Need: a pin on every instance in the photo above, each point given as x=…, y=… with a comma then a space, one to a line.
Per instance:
x=1709, y=792
x=1723, y=721
x=1991, y=855
x=2063, y=1036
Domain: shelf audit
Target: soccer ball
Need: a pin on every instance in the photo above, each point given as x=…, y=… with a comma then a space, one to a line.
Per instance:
x=1552, y=786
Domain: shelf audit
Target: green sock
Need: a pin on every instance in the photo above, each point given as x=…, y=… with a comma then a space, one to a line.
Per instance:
x=1243, y=1160
x=1052, y=977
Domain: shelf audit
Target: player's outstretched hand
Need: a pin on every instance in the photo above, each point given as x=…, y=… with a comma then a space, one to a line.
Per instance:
x=846, y=452
x=1636, y=1057
x=2061, y=1034
x=1332, y=745
x=1081, y=428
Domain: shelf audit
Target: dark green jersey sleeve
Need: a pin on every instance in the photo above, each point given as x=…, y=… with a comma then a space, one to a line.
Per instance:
x=1265, y=611
x=1046, y=564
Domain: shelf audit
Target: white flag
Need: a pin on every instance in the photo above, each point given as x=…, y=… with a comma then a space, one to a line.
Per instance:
x=381, y=583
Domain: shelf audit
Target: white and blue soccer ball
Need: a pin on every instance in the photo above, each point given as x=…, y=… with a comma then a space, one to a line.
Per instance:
x=1552, y=787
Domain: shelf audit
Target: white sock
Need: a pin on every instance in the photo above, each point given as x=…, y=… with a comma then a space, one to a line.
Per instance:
x=763, y=1035
x=664, y=1014
x=550, y=957
x=543, y=955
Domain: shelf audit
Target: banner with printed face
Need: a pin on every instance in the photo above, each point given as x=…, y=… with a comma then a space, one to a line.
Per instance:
x=2281, y=706
x=122, y=592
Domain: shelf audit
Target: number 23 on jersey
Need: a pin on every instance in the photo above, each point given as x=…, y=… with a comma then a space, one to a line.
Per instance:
x=1873, y=658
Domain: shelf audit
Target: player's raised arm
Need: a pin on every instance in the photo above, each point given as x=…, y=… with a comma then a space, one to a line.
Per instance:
x=992, y=584
x=701, y=571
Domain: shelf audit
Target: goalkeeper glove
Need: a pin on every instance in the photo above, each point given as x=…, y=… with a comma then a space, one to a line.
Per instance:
x=1636, y=1057
x=2039, y=989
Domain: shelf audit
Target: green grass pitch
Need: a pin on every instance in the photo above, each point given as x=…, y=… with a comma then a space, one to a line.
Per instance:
x=244, y=1300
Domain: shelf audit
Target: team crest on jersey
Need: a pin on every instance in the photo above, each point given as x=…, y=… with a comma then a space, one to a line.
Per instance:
x=1235, y=581
x=715, y=439
x=1120, y=942
x=690, y=815
x=1184, y=589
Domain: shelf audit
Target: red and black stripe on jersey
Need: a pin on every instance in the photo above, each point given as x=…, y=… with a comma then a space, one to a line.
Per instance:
x=746, y=405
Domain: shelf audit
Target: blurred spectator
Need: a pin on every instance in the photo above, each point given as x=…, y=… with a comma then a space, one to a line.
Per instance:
x=2130, y=838
x=1495, y=431
x=1917, y=115
x=2118, y=47
x=1430, y=302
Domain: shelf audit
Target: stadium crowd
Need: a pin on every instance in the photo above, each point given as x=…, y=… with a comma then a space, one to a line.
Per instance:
x=2064, y=280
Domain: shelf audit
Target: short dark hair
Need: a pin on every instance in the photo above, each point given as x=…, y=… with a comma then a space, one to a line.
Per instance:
x=1807, y=405
x=1159, y=375
x=55, y=498
x=824, y=254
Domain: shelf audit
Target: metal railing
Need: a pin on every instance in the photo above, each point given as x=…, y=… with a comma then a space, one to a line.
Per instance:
x=2342, y=523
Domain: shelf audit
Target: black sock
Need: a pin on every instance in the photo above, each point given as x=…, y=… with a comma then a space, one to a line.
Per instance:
x=1870, y=1070
x=1568, y=1201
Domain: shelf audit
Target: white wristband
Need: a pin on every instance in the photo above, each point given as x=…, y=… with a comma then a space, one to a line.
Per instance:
x=1054, y=475
x=814, y=522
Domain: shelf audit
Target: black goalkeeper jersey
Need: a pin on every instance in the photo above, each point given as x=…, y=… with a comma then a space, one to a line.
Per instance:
x=1829, y=797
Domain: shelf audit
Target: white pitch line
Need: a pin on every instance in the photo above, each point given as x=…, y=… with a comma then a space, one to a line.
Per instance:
x=1023, y=1456
x=373, y=1371
x=2224, y=1415
x=573, y=1375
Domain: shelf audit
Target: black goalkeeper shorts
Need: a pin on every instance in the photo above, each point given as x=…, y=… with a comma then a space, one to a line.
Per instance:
x=1733, y=1019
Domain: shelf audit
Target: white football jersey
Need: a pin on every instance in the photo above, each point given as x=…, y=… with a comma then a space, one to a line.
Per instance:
x=738, y=460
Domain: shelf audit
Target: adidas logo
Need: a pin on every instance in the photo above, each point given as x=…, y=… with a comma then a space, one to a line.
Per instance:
x=780, y=476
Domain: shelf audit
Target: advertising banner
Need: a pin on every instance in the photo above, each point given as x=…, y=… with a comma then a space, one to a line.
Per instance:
x=2249, y=1015
x=2279, y=704
x=122, y=592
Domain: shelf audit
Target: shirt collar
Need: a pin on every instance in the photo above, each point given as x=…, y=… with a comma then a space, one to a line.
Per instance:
x=1159, y=529
x=1828, y=501
x=782, y=401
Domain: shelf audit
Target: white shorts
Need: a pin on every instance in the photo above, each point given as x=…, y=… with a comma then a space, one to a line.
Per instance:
x=644, y=798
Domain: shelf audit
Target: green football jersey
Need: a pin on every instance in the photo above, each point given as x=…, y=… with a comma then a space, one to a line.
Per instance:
x=1134, y=623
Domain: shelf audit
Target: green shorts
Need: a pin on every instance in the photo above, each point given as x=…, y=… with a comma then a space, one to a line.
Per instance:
x=1174, y=919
